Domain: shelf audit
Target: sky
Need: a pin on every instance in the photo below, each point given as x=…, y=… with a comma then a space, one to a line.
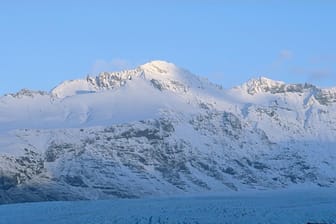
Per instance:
x=43, y=43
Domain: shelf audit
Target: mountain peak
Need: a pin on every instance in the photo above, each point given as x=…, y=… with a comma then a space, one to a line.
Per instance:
x=160, y=74
x=263, y=84
x=27, y=92
x=161, y=67
x=262, y=81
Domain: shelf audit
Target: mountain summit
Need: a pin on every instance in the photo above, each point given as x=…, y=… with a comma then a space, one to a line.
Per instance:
x=160, y=73
x=263, y=84
x=160, y=130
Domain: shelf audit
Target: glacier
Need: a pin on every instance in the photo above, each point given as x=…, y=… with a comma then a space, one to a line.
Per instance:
x=287, y=206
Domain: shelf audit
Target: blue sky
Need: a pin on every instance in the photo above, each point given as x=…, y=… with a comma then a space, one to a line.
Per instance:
x=45, y=42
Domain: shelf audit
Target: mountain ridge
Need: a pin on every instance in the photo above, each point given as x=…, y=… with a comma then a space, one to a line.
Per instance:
x=110, y=80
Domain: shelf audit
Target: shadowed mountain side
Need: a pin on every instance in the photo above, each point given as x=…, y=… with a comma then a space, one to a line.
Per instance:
x=146, y=159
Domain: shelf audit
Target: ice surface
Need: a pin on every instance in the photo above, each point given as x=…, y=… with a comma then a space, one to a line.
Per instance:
x=316, y=206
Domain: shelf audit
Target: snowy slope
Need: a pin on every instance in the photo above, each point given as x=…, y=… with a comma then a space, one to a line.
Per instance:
x=160, y=130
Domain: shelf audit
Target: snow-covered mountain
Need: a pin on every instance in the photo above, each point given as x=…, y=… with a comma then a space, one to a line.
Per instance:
x=160, y=130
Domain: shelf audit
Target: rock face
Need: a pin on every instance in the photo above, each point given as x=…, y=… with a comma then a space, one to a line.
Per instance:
x=159, y=130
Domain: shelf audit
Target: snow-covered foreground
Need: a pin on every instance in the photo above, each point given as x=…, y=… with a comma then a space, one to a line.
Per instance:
x=294, y=206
